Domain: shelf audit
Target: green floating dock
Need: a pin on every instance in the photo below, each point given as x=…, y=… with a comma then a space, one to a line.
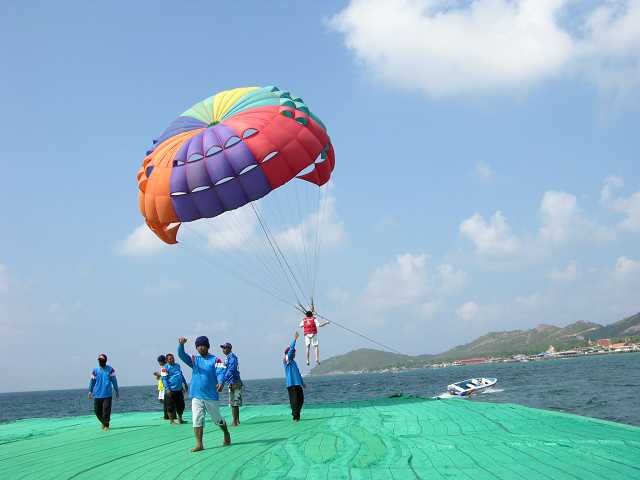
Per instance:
x=398, y=438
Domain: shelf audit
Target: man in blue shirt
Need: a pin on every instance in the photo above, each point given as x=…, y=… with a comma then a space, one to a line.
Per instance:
x=232, y=378
x=206, y=381
x=173, y=381
x=100, y=389
x=295, y=384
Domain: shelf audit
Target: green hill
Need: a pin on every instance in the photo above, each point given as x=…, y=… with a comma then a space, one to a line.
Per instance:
x=494, y=344
x=629, y=327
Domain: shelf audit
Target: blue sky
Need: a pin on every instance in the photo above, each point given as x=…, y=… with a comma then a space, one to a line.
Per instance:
x=487, y=173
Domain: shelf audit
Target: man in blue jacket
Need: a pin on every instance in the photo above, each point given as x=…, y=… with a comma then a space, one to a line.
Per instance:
x=232, y=378
x=100, y=389
x=295, y=384
x=207, y=380
x=174, y=382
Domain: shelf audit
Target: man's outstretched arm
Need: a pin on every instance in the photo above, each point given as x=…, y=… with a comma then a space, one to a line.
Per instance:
x=182, y=354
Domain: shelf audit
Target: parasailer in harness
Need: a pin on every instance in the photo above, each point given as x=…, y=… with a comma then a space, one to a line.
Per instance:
x=310, y=326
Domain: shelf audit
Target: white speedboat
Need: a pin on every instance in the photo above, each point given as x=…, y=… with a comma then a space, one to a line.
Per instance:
x=471, y=386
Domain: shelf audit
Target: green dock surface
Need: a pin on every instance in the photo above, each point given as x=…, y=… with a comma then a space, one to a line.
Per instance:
x=398, y=438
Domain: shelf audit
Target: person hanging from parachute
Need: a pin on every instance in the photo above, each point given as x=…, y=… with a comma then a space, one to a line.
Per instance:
x=232, y=153
x=310, y=326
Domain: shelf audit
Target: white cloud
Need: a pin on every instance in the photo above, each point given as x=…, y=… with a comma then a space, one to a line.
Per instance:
x=453, y=47
x=484, y=172
x=325, y=221
x=142, y=241
x=563, y=221
x=491, y=239
x=568, y=274
x=630, y=206
x=450, y=278
x=468, y=310
x=4, y=279
x=611, y=185
x=233, y=230
x=626, y=266
x=399, y=283
x=559, y=211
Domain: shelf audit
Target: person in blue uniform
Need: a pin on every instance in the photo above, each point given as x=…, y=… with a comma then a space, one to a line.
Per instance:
x=174, y=385
x=295, y=384
x=207, y=380
x=232, y=379
x=101, y=387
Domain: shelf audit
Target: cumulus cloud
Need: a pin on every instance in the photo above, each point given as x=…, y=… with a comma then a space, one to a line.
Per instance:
x=559, y=211
x=468, y=310
x=629, y=206
x=568, y=274
x=400, y=282
x=450, y=278
x=325, y=221
x=240, y=230
x=493, y=238
x=141, y=242
x=626, y=266
x=410, y=280
x=452, y=47
x=563, y=221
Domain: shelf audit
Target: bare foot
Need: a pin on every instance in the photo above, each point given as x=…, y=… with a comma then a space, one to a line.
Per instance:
x=181, y=422
x=172, y=422
x=197, y=448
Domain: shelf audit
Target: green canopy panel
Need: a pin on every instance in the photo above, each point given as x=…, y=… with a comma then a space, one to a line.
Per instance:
x=397, y=438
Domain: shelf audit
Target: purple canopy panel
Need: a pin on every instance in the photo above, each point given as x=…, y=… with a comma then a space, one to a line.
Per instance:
x=183, y=204
x=218, y=168
x=195, y=146
x=181, y=155
x=231, y=194
x=239, y=157
x=209, y=139
x=208, y=203
x=197, y=175
x=255, y=184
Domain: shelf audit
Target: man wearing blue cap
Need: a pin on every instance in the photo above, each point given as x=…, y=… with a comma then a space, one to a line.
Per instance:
x=232, y=378
x=206, y=381
x=100, y=389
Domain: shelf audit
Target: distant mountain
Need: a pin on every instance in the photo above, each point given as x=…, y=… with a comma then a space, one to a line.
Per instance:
x=629, y=327
x=363, y=359
x=494, y=344
x=535, y=340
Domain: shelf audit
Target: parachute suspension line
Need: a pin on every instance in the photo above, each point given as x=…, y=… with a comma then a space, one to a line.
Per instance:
x=280, y=256
x=235, y=274
x=239, y=260
x=316, y=253
x=303, y=235
x=386, y=347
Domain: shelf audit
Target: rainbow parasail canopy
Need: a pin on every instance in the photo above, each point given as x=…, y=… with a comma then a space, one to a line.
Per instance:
x=228, y=150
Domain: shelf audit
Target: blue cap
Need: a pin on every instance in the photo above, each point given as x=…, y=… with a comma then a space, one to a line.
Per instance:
x=202, y=341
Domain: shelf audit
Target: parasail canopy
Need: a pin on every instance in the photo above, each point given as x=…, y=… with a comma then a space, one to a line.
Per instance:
x=228, y=150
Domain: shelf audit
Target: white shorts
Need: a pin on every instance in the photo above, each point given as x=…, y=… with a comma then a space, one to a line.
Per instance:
x=201, y=407
x=160, y=394
x=311, y=339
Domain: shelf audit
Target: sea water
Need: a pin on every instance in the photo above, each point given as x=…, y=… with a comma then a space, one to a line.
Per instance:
x=604, y=386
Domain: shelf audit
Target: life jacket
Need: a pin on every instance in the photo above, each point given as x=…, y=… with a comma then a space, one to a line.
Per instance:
x=310, y=327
